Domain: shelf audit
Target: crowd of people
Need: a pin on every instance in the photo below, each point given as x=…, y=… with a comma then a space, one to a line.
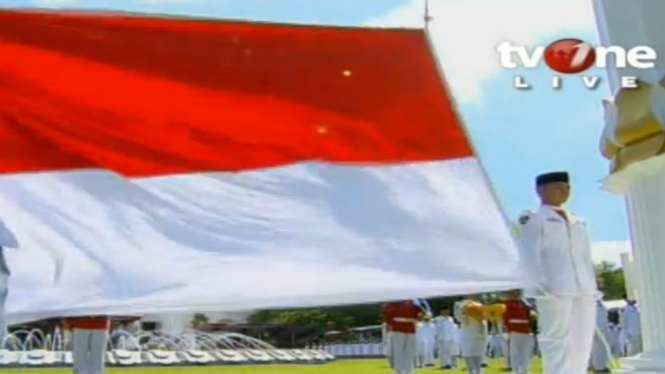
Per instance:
x=572, y=333
x=510, y=337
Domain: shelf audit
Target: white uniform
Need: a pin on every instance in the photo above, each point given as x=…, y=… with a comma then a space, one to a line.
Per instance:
x=88, y=351
x=7, y=240
x=474, y=343
x=420, y=344
x=385, y=337
x=496, y=346
x=600, y=359
x=630, y=321
x=557, y=256
x=457, y=346
x=623, y=342
x=505, y=345
x=614, y=341
x=445, y=330
x=430, y=342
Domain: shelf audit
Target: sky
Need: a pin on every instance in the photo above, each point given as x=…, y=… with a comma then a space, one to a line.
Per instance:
x=517, y=134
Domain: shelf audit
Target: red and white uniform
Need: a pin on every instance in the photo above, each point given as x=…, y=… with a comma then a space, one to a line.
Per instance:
x=403, y=336
x=89, y=337
x=387, y=319
x=517, y=323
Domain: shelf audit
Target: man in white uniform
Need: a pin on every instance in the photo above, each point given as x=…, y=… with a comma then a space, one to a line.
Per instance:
x=430, y=341
x=7, y=240
x=630, y=321
x=445, y=338
x=420, y=344
x=600, y=359
x=556, y=251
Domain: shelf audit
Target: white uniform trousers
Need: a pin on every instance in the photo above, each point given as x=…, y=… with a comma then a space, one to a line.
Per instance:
x=4, y=292
x=600, y=360
x=404, y=352
x=89, y=347
x=521, y=350
x=567, y=326
x=387, y=351
x=634, y=344
x=506, y=351
x=445, y=352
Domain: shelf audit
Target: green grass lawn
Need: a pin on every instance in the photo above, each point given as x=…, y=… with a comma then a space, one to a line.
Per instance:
x=339, y=367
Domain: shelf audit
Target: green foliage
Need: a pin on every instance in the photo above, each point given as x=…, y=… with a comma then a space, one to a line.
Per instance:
x=335, y=318
x=611, y=280
x=199, y=320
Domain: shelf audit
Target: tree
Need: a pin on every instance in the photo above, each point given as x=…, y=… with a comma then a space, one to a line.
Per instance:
x=611, y=280
x=199, y=320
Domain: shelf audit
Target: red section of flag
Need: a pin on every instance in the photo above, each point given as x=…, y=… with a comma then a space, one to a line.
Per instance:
x=149, y=96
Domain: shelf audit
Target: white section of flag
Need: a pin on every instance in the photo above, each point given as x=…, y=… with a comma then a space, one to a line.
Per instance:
x=301, y=235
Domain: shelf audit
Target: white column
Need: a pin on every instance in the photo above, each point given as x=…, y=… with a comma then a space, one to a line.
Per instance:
x=646, y=210
x=631, y=23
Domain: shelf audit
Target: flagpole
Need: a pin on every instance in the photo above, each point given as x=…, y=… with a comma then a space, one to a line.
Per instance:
x=426, y=17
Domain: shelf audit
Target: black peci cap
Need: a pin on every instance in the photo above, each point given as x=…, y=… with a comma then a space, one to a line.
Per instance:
x=553, y=177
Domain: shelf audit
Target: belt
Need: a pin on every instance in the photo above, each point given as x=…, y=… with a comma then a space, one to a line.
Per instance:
x=518, y=321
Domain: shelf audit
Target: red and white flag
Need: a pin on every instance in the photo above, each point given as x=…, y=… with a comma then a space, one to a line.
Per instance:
x=187, y=165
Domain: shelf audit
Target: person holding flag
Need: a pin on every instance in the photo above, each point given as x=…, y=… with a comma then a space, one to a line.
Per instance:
x=7, y=240
x=517, y=322
x=89, y=339
x=404, y=316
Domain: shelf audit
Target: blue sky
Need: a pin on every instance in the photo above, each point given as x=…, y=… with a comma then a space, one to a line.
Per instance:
x=518, y=134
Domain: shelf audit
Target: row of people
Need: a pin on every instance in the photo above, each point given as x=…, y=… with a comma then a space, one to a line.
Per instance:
x=410, y=343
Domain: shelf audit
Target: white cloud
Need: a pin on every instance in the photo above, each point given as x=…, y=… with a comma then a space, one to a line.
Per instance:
x=609, y=251
x=466, y=32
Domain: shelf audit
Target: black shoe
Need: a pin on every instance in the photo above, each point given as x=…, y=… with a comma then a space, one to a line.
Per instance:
x=484, y=365
x=604, y=371
x=447, y=367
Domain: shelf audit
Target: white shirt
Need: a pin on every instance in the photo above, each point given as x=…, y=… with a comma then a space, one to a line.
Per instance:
x=630, y=320
x=445, y=328
x=430, y=331
x=557, y=254
x=385, y=334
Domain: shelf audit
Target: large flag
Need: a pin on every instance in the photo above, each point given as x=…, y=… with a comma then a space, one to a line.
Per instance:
x=162, y=165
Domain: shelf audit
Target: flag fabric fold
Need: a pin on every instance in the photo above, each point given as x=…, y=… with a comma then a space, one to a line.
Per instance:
x=191, y=165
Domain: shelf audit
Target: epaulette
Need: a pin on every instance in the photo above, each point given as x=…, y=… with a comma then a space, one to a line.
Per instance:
x=525, y=217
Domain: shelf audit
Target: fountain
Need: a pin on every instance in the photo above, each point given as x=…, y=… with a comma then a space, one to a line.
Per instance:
x=34, y=348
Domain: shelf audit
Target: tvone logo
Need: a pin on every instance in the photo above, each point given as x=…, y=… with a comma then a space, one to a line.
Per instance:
x=574, y=56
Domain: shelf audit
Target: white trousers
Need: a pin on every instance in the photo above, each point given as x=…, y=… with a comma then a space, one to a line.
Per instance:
x=567, y=326
x=446, y=354
x=429, y=352
x=4, y=292
x=600, y=360
x=521, y=350
x=634, y=344
x=403, y=352
x=387, y=351
x=89, y=347
x=506, y=350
